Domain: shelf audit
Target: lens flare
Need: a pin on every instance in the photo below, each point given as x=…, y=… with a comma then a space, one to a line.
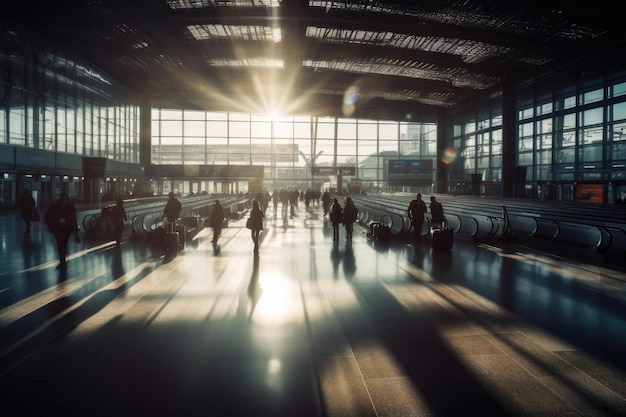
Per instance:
x=449, y=155
x=350, y=99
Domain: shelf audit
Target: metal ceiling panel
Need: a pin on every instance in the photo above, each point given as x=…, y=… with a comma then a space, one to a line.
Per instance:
x=433, y=53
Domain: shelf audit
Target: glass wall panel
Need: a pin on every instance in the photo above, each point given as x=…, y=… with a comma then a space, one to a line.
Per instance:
x=388, y=131
x=262, y=129
x=216, y=128
x=17, y=122
x=325, y=130
x=617, y=131
x=367, y=148
x=526, y=158
x=566, y=155
x=591, y=153
x=301, y=130
x=70, y=130
x=618, y=89
x=592, y=117
x=239, y=129
x=3, y=126
x=592, y=96
x=368, y=130
x=194, y=115
x=591, y=135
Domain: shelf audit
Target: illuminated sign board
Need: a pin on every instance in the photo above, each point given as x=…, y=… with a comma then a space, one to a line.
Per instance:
x=589, y=193
x=213, y=171
x=410, y=170
x=345, y=171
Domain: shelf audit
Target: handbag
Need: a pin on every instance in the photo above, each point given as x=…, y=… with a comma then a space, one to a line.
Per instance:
x=249, y=223
x=35, y=217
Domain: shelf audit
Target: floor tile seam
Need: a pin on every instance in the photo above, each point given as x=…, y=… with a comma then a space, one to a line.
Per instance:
x=48, y=324
x=315, y=360
x=587, y=265
x=352, y=355
x=49, y=295
x=521, y=348
x=136, y=299
x=355, y=356
x=489, y=331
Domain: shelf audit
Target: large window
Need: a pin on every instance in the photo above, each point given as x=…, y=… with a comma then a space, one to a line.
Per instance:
x=288, y=146
x=74, y=114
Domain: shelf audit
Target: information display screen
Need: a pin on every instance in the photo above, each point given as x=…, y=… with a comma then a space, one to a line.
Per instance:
x=408, y=171
x=590, y=193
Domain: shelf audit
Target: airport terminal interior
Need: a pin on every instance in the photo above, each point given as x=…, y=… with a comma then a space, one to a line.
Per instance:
x=510, y=115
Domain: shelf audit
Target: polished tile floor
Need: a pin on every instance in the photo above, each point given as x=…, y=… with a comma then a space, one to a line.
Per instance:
x=309, y=327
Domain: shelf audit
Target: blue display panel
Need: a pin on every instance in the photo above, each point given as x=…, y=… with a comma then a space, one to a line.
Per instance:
x=410, y=171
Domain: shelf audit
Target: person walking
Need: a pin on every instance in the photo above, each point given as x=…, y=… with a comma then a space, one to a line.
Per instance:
x=416, y=211
x=28, y=208
x=326, y=202
x=61, y=221
x=118, y=217
x=436, y=212
x=256, y=223
x=336, y=217
x=217, y=221
x=350, y=213
x=275, y=200
x=172, y=210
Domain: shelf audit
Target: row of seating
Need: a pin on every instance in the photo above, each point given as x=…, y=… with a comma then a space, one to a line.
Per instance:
x=587, y=228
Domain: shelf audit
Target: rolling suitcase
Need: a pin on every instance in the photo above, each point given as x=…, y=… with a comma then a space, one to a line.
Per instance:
x=442, y=238
x=171, y=242
x=380, y=231
x=182, y=235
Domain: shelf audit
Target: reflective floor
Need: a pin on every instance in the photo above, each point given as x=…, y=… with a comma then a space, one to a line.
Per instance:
x=308, y=327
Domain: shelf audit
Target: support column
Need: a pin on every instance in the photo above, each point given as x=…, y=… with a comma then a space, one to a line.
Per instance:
x=145, y=135
x=509, y=137
x=441, y=178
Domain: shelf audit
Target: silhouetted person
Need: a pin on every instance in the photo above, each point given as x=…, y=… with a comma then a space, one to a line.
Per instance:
x=336, y=217
x=416, y=211
x=62, y=222
x=256, y=223
x=28, y=208
x=436, y=212
x=275, y=200
x=350, y=213
x=172, y=209
x=326, y=202
x=118, y=217
x=217, y=221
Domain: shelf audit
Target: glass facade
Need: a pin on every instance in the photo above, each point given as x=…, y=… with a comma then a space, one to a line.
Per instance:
x=288, y=146
x=56, y=103
x=54, y=110
x=570, y=130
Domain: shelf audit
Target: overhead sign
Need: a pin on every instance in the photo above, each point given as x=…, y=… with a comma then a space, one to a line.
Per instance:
x=195, y=171
x=345, y=171
x=94, y=167
x=410, y=170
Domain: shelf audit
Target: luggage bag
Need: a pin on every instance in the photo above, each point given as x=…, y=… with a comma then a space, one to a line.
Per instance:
x=442, y=238
x=182, y=235
x=171, y=241
x=380, y=231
